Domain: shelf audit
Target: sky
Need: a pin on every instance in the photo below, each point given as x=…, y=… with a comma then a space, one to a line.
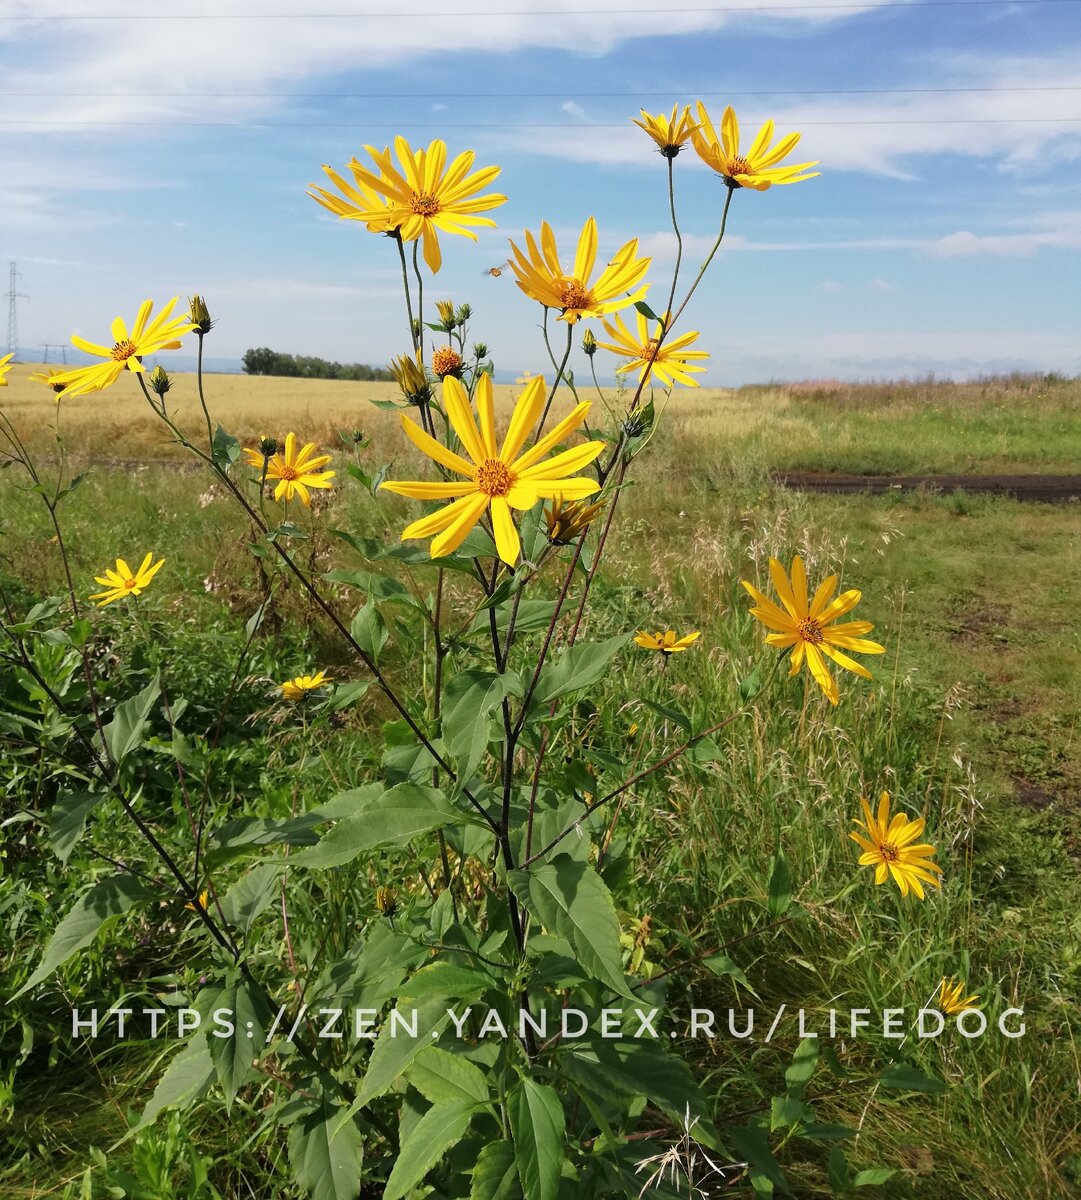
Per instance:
x=150, y=151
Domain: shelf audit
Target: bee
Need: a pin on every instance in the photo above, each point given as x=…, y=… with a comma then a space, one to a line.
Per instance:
x=495, y=272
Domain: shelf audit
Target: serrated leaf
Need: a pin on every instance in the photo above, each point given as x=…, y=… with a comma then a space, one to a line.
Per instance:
x=467, y=715
x=251, y=895
x=570, y=899
x=440, y=1076
x=67, y=820
x=327, y=1154
x=441, y=1127
x=369, y=630
x=721, y=964
x=580, y=667
x=495, y=1177
x=873, y=1177
x=225, y=449
x=232, y=1054
x=392, y=819
x=537, y=1125
x=186, y=1078
x=839, y=1175
x=107, y=898
x=392, y=1054
x=126, y=731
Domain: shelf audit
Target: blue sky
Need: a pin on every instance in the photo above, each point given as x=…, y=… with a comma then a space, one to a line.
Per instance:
x=160, y=154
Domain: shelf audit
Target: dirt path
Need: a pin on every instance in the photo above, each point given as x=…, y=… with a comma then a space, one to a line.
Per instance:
x=1051, y=489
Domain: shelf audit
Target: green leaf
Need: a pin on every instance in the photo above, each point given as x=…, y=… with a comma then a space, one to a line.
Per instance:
x=392, y=819
x=671, y=714
x=537, y=1125
x=873, y=1177
x=250, y=895
x=780, y=886
x=765, y=1176
x=186, y=1079
x=570, y=899
x=394, y=1052
x=107, y=898
x=787, y=1110
x=910, y=1079
x=67, y=820
x=839, y=1175
x=441, y=1127
x=126, y=731
x=751, y=685
x=369, y=630
x=440, y=1076
x=646, y=311
x=581, y=666
x=803, y=1065
x=446, y=980
x=327, y=1154
x=721, y=964
x=495, y=1177
x=467, y=715
x=225, y=449
x=232, y=1053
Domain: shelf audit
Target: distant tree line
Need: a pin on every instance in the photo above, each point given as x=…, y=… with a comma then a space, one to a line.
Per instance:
x=301, y=366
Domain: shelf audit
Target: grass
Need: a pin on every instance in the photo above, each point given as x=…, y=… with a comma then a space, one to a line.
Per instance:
x=971, y=720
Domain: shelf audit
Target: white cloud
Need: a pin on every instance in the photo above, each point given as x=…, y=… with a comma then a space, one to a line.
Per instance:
x=830, y=286
x=574, y=110
x=884, y=287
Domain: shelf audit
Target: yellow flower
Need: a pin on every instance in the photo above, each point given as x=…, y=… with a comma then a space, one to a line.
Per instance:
x=295, y=472
x=200, y=902
x=446, y=361
x=809, y=628
x=298, y=688
x=669, y=362
x=669, y=132
x=50, y=378
x=5, y=366
x=666, y=642
x=358, y=201
x=567, y=522
x=386, y=901
x=124, y=581
x=495, y=478
x=127, y=351
x=951, y=999
x=424, y=197
x=757, y=168
x=888, y=847
x=542, y=278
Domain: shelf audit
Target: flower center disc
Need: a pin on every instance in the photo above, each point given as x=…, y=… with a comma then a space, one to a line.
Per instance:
x=494, y=477
x=810, y=631
x=739, y=166
x=890, y=852
x=122, y=351
x=129, y=583
x=424, y=204
x=573, y=295
x=288, y=472
x=649, y=350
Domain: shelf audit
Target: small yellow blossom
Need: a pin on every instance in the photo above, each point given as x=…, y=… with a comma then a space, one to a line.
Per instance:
x=952, y=1000
x=888, y=847
x=299, y=687
x=757, y=168
x=295, y=471
x=669, y=133
x=666, y=641
x=124, y=581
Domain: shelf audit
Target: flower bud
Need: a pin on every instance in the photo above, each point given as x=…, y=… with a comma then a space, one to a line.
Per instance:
x=411, y=379
x=445, y=308
x=160, y=382
x=386, y=901
x=463, y=314
x=589, y=343
x=567, y=522
x=200, y=316
x=268, y=446
x=481, y=349
x=358, y=436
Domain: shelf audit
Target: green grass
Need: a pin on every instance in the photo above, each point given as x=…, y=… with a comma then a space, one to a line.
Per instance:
x=971, y=720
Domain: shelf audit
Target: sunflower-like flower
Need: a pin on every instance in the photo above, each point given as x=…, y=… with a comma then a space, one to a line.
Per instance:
x=446, y=361
x=495, y=478
x=952, y=1000
x=670, y=133
x=567, y=522
x=426, y=195
x=298, y=688
x=51, y=379
x=665, y=641
x=295, y=472
x=668, y=360
x=757, y=168
x=5, y=366
x=808, y=627
x=124, y=581
x=358, y=201
x=888, y=847
x=540, y=275
x=127, y=351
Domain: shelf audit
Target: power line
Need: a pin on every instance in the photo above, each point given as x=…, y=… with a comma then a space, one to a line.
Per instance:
x=561, y=95
x=14, y=296
x=536, y=12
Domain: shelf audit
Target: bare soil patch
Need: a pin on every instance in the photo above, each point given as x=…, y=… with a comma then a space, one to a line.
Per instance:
x=1049, y=489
